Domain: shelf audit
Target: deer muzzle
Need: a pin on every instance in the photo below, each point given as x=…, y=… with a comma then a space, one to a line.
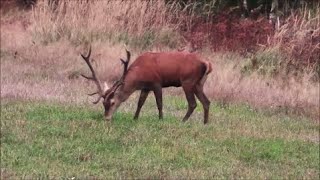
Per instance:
x=108, y=118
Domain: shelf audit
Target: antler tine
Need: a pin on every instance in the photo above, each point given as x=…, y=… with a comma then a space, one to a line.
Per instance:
x=87, y=77
x=88, y=56
x=125, y=62
x=91, y=94
x=128, y=55
x=93, y=78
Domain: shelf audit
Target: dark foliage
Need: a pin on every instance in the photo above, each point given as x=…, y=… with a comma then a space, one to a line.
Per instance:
x=26, y=3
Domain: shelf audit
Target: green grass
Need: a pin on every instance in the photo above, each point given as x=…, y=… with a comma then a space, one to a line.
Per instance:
x=53, y=140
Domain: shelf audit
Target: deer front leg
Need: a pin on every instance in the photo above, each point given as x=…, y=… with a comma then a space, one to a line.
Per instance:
x=142, y=99
x=158, y=94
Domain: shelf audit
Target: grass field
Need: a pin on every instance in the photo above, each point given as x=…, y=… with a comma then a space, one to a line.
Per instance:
x=57, y=140
x=261, y=125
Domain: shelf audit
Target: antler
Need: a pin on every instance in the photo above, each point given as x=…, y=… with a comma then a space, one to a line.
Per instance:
x=93, y=78
x=120, y=82
x=125, y=63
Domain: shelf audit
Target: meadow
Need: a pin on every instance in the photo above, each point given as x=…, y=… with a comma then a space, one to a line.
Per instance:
x=59, y=140
x=263, y=123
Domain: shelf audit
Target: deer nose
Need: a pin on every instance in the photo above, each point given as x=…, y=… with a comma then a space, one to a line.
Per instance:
x=108, y=118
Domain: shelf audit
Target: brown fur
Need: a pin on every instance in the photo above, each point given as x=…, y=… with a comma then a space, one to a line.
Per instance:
x=166, y=69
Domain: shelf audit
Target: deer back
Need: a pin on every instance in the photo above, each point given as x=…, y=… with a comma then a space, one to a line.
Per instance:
x=167, y=69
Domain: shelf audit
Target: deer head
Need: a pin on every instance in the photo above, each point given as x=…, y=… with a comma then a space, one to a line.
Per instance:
x=110, y=102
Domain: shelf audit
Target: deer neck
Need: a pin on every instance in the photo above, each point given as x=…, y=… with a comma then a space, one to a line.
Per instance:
x=124, y=93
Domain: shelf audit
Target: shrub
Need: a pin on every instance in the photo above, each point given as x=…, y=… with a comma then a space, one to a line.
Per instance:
x=268, y=61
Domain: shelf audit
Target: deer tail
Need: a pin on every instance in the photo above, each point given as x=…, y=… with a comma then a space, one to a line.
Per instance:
x=208, y=71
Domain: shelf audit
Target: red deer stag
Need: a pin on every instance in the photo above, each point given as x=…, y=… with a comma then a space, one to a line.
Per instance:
x=152, y=72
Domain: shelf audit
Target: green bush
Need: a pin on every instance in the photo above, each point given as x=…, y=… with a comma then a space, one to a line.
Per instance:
x=269, y=62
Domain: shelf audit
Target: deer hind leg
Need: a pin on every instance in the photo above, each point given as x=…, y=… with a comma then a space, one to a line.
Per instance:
x=158, y=94
x=204, y=101
x=142, y=99
x=192, y=104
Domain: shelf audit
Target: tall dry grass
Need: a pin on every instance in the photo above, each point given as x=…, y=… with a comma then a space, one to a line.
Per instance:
x=299, y=38
x=288, y=94
x=136, y=21
x=293, y=51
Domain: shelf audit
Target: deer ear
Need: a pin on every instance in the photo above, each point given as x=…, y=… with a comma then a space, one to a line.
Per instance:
x=106, y=90
x=105, y=87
